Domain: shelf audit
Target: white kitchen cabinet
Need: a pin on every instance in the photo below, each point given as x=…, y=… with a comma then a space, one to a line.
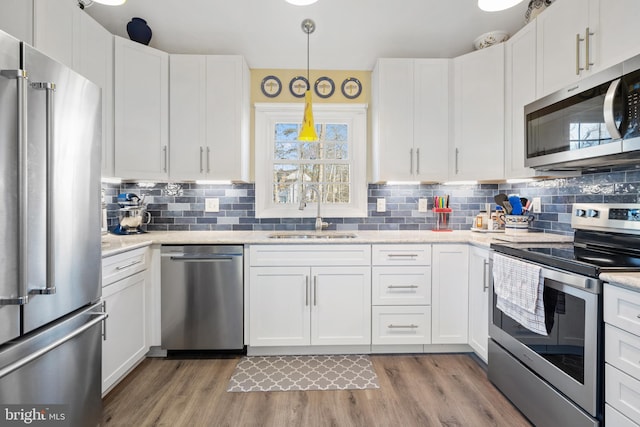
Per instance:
x=410, y=119
x=520, y=90
x=95, y=62
x=478, y=123
x=450, y=294
x=310, y=296
x=141, y=86
x=622, y=352
x=55, y=29
x=209, y=117
x=618, y=31
x=124, y=278
x=479, y=282
x=17, y=19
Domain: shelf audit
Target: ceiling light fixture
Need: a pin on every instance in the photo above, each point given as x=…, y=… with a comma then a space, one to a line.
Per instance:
x=89, y=3
x=301, y=2
x=497, y=5
x=308, y=130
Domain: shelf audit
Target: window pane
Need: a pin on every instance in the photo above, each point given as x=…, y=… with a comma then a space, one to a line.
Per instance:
x=336, y=132
x=336, y=193
x=309, y=150
x=286, y=192
x=286, y=131
x=311, y=172
x=286, y=151
x=285, y=173
x=336, y=173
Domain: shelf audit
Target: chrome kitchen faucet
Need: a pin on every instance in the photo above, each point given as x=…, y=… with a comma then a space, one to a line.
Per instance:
x=320, y=225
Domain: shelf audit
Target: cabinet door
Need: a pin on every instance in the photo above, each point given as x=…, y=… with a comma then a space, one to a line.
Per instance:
x=450, y=294
x=55, y=29
x=188, y=117
x=479, y=281
x=392, y=116
x=341, y=305
x=17, y=19
x=618, y=35
x=141, y=111
x=279, y=306
x=227, y=118
x=124, y=345
x=479, y=115
x=520, y=77
x=95, y=62
x=431, y=119
x=560, y=53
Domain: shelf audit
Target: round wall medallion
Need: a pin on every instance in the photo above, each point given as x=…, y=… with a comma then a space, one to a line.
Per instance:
x=298, y=86
x=271, y=86
x=351, y=88
x=324, y=87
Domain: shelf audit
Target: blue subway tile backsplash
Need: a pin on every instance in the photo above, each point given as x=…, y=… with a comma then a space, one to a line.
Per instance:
x=181, y=206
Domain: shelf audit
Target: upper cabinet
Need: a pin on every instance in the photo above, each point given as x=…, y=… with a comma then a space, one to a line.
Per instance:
x=95, y=61
x=55, y=29
x=478, y=119
x=579, y=37
x=209, y=117
x=410, y=114
x=520, y=90
x=141, y=111
x=17, y=19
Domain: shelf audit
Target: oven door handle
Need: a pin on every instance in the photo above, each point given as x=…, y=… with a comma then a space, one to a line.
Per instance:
x=575, y=280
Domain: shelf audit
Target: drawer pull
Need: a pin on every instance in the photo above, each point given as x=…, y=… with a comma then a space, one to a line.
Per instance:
x=411, y=326
x=131, y=264
x=402, y=255
x=404, y=287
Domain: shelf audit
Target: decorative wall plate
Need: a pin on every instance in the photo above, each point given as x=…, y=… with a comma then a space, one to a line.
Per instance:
x=351, y=88
x=271, y=86
x=324, y=87
x=298, y=86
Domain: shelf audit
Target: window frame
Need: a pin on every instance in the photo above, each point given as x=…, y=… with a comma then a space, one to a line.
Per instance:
x=266, y=117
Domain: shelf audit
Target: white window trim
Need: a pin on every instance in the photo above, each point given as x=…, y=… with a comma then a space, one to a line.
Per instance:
x=267, y=115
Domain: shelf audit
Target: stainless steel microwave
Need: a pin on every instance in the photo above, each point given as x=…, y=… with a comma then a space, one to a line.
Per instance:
x=593, y=123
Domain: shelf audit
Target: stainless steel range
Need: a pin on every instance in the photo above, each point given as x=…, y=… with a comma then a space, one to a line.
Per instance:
x=555, y=374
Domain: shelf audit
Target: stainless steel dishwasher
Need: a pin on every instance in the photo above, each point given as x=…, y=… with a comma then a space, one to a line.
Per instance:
x=202, y=297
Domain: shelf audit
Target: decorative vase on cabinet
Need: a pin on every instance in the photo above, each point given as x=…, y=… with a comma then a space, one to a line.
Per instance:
x=139, y=31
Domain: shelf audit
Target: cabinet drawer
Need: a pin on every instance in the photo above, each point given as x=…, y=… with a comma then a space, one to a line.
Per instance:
x=622, y=392
x=122, y=265
x=401, y=285
x=622, y=308
x=622, y=350
x=401, y=325
x=615, y=418
x=401, y=255
x=309, y=255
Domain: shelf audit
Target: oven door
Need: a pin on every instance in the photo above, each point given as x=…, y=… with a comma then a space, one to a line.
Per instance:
x=569, y=356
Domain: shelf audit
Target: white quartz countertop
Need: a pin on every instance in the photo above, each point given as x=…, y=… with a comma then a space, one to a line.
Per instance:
x=626, y=280
x=113, y=244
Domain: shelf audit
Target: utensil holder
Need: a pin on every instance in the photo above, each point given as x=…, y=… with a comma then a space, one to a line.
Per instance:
x=442, y=219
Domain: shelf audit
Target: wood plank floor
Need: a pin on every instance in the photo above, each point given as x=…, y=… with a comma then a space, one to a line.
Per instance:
x=415, y=390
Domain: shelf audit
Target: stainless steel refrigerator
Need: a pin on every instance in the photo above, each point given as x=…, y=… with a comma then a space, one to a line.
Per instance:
x=50, y=315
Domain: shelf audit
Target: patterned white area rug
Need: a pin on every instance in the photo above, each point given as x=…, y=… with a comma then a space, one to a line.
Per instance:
x=289, y=373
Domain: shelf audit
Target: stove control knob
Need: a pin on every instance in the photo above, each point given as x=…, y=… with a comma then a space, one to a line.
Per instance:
x=580, y=212
x=592, y=213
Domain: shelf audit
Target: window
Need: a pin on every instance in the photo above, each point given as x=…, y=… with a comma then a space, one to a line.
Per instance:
x=288, y=169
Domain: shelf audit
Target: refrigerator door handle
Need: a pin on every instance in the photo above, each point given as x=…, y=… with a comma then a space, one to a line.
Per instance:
x=23, y=293
x=44, y=350
x=50, y=287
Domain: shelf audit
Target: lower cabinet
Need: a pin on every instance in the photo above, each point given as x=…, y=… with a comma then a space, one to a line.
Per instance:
x=450, y=294
x=479, y=282
x=302, y=304
x=123, y=294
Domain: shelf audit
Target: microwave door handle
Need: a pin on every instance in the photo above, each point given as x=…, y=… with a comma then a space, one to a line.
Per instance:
x=49, y=89
x=609, y=119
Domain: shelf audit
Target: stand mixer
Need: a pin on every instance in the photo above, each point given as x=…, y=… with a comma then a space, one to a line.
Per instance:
x=131, y=215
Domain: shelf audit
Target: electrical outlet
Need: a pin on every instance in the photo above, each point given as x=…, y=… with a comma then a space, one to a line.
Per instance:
x=381, y=205
x=212, y=204
x=422, y=205
x=537, y=205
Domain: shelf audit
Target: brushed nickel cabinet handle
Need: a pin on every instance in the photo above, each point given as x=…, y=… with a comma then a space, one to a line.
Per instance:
x=417, y=161
x=587, y=37
x=306, y=287
x=578, y=68
x=411, y=326
x=411, y=161
x=201, y=153
x=402, y=286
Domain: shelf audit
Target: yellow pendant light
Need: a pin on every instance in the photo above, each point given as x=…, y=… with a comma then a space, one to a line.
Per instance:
x=308, y=130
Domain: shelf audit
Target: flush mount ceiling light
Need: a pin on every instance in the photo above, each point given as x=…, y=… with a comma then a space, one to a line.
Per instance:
x=497, y=5
x=88, y=3
x=308, y=130
x=301, y=2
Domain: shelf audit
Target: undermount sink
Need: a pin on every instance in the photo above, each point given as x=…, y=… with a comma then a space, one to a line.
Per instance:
x=312, y=236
